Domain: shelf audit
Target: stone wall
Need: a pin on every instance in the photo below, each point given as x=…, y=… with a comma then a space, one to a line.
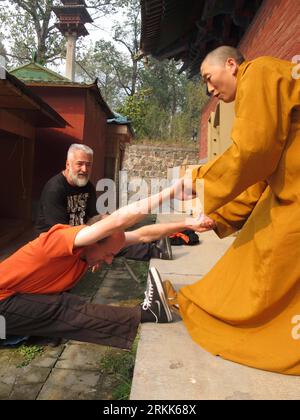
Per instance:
x=146, y=169
x=153, y=161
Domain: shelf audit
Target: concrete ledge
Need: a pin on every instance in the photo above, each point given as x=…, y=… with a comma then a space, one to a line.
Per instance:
x=170, y=366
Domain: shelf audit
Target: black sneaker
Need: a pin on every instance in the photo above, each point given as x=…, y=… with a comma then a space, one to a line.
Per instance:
x=164, y=249
x=155, y=299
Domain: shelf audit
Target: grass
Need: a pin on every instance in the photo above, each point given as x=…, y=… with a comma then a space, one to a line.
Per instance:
x=89, y=284
x=120, y=364
x=141, y=269
x=29, y=353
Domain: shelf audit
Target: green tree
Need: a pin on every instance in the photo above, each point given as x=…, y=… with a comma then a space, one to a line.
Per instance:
x=174, y=105
x=185, y=124
x=104, y=62
x=166, y=83
x=136, y=107
x=30, y=26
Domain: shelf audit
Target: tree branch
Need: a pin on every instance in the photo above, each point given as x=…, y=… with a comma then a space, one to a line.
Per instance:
x=125, y=44
x=16, y=56
x=40, y=8
x=52, y=58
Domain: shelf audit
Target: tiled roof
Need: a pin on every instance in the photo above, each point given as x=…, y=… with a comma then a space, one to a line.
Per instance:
x=35, y=72
x=119, y=119
x=16, y=95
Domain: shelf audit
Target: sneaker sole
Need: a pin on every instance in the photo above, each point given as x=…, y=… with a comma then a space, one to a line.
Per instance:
x=160, y=288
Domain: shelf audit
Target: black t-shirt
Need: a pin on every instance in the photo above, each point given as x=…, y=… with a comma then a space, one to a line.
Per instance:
x=62, y=203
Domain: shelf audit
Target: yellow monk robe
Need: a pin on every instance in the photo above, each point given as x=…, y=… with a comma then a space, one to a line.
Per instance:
x=245, y=309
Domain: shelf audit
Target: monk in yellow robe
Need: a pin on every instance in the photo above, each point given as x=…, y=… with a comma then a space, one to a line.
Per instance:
x=247, y=308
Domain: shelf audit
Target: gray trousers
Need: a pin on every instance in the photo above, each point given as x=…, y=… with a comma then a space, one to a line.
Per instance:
x=71, y=317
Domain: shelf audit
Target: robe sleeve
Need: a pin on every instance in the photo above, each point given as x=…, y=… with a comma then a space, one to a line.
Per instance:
x=263, y=108
x=232, y=217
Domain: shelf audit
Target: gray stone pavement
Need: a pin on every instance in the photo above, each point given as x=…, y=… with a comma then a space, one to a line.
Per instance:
x=170, y=366
x=71, y=371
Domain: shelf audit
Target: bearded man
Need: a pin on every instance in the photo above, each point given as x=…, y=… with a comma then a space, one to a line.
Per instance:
x=69, y=198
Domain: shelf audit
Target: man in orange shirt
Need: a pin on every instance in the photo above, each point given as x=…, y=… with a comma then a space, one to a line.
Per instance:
x=34, y=279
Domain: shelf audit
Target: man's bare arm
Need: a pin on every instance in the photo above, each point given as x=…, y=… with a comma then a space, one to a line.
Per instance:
x=152, y=233
x=121, y=219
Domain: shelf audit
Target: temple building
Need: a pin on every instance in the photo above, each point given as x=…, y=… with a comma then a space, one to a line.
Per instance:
x=22, y=115
x=187, y=30
x=90, y=121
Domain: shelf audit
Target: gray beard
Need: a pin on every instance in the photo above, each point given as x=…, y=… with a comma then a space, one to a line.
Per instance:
x=79, y=182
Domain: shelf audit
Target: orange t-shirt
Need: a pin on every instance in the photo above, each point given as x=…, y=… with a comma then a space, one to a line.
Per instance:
x=44, y=266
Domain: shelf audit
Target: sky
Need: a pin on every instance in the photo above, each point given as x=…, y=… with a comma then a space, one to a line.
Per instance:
x=104, y=27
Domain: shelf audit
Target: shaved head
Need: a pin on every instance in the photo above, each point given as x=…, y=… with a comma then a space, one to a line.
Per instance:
x=220, y=55
x=219, y=71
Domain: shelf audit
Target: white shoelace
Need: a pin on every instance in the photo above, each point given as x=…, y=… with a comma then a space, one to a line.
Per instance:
x=148, y=297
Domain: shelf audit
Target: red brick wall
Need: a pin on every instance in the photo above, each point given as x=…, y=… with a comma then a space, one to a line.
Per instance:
x=275, y=31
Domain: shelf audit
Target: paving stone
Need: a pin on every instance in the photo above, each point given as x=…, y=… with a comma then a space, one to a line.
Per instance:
x=24, y=383
x=67, y=384
x=81, y=357
x=31, y=375
x=48, y=358
x=45, y=362
x=5, y=390
x=26, y=392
